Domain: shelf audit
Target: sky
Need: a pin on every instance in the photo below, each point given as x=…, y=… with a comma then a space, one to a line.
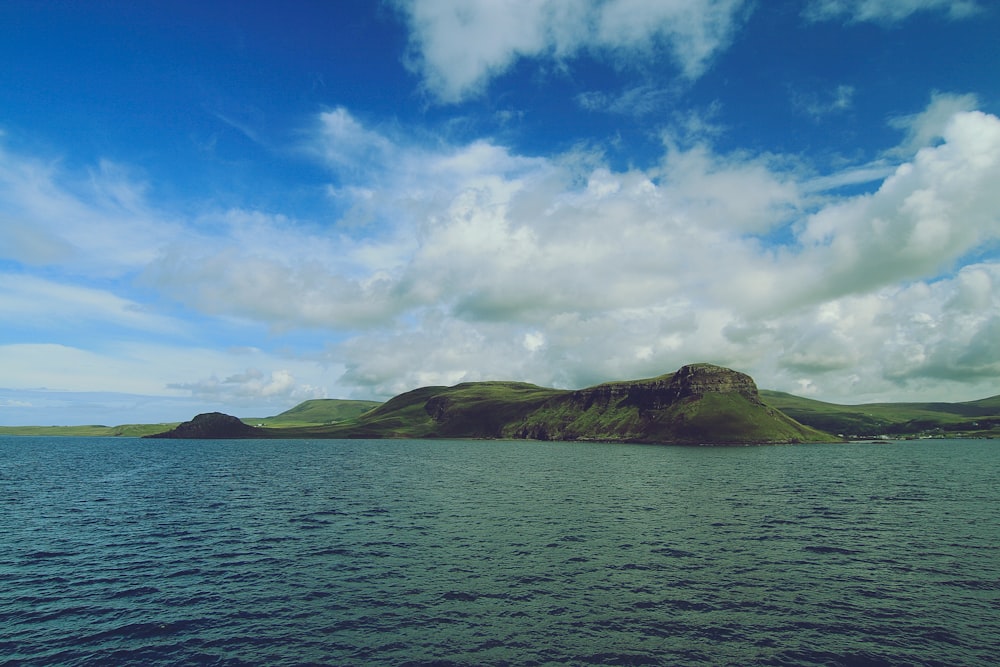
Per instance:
x=241, y=205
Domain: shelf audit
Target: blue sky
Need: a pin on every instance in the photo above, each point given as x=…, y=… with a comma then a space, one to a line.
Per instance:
x=237, y=206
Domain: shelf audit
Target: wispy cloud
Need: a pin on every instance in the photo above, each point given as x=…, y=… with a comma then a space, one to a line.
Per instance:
x=927, y=127
x=825, y=102
x=97, y=223
x=637, y=101
x=887, y=11
x=458, y=46
x=30, y=301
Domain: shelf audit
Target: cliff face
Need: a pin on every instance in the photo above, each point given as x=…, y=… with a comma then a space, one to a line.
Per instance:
x=692, y=381
x=700, y=379
x=700, y=403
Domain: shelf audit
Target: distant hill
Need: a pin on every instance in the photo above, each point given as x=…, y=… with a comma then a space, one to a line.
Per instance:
x=94, y=430
x=317, y=411
x=699, y=404
x=968, y=419
x=211, y=426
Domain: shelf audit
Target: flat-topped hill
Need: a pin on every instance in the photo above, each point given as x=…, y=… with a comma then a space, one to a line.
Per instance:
x=698, y=404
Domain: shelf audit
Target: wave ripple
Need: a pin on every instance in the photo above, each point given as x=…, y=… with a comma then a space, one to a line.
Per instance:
x=136, y=552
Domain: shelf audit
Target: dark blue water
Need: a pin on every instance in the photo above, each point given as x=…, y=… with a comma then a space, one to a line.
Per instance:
x=123, y=551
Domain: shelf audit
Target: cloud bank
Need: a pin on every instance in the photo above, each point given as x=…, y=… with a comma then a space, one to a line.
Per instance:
x=470, y=261
x=490, y=264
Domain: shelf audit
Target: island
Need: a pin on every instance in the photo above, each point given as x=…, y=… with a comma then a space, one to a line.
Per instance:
x=699, y=404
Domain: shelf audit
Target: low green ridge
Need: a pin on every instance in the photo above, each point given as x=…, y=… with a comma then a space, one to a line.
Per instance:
x=979, y=418
x=699, y=404
x=316, y=411
x=98, y=431
x=640, y=411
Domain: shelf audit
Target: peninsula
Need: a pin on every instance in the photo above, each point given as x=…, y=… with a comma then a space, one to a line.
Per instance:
x=698, y=404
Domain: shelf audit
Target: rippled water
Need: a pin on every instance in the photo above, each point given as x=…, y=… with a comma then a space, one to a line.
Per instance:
x=123, y=551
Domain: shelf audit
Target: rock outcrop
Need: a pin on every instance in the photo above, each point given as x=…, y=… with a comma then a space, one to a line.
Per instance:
x=700, y=403
x=211, y=425
x=691, y=381
x=699, y=379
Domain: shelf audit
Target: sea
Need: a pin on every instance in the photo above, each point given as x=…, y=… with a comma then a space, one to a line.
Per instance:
x=119, y=551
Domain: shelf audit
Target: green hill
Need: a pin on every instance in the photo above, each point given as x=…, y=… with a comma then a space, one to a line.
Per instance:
x=968, y=419
x=316, y=411
x=700, y=403
x=123, y=430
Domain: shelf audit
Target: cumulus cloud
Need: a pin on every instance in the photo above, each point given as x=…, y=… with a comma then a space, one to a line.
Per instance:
x=929, y=338
x=252, y=386
x=927, y=127
x=922, y=219
x=562, y=271
x=458, y=46
x=480, y=263
x=625, y=274
x=886, y=11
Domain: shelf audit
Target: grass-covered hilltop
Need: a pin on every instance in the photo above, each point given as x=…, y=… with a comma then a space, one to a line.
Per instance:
x=700, y=403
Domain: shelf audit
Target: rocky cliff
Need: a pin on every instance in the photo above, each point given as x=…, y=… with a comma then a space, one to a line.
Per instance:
x=700, y=403
x=691, y=381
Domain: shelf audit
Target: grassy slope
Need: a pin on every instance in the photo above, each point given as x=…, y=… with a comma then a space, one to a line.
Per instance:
x=473, y=409
x=316, y=411
x=980, y=417
x=307, y=414
x=511, y=409
x=124, y=430
x=717, y=418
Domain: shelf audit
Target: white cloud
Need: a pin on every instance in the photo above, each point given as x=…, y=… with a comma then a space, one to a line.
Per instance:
x=642, y=100
x=922, y=219
x=887, y=11
x=929, y=340
x=458, y=45
x=824, y=102
x=347, y=145
x=878, y=170
x=98, y=224
x=927, y=127
x=480, y=263
x=252, y=386
x=568, y=273
x=170, y=371
x=27, y=300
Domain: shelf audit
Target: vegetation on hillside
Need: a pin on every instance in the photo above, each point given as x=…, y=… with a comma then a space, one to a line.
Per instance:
x=316, y=411
x=979, y=419
x=97, y=431
x=699, y=404
x=604, y=412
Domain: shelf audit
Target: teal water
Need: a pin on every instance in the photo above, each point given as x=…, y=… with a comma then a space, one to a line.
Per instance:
x=126, y=551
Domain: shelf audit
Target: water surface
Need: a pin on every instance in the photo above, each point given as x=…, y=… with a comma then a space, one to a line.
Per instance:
x=127, y=551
